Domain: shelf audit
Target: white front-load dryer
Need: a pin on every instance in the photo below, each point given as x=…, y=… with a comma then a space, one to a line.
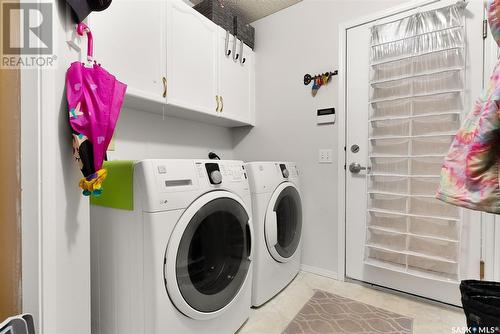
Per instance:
x=181, y=260
x=277, y=218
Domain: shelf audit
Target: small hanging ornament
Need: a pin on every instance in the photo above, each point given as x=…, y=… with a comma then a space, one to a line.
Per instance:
x=319, y=80
x=316, y=86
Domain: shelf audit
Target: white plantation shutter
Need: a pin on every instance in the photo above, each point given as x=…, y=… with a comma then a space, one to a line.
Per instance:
x=417, y=74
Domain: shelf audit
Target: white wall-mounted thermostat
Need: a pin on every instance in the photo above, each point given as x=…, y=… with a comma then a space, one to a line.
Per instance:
x=326, y=116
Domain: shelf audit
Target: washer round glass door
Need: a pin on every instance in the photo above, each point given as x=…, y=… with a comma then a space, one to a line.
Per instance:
x=283, y=222
x=208, y=255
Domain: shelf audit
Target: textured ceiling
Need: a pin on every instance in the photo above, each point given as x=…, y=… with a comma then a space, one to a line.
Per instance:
x=252, y=10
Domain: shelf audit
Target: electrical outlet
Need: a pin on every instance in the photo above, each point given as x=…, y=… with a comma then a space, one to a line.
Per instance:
x=325, y=156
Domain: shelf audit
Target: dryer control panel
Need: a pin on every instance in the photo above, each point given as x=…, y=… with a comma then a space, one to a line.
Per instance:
x=292, y=171
x=266, y=176
x=288, y=170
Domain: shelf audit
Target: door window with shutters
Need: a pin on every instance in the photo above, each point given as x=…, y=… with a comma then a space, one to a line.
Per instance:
x=417, y=73
x=405, y=96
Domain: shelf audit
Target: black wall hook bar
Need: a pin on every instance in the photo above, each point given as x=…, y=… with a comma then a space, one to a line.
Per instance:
x=308, y=78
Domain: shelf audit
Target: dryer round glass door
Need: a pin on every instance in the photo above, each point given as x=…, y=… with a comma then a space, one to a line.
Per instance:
x=212, y=256
x=283, y=222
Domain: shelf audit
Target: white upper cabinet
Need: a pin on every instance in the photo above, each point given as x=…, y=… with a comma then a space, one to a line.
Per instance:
x=129, y=41
x=173, y=60
x=191, y=59
x=236, y=79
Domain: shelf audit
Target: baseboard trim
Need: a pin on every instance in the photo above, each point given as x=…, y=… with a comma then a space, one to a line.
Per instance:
x=319, y=271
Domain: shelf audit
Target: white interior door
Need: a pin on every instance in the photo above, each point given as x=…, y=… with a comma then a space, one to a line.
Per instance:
x=397, y=235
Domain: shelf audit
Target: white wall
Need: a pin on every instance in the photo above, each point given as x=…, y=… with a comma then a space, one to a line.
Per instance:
x=302, y=39
x=56, y=236
x=142, y=135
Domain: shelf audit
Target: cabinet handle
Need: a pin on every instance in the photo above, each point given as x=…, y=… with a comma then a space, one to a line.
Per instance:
x=227, y=51
x=218, y=103
x=222, y=104
x=164, y=86
x=242, y=59
x=235, y=54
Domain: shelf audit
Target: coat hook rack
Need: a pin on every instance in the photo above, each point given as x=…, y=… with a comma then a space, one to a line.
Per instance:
x=308, y=78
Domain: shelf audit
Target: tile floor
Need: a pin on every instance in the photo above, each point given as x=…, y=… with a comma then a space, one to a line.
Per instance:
x=275, y=315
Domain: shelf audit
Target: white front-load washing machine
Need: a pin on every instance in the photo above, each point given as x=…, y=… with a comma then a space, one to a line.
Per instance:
x=277, y=218
x=181, y=260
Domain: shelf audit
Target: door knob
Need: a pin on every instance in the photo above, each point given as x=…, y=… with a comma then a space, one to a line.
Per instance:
x=355, y=168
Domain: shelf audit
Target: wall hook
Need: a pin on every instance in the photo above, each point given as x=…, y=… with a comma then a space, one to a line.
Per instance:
x=80, y=29
x=308, y=78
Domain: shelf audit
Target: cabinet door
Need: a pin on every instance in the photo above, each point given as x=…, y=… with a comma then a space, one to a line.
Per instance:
x=129, y=41
x=236, y=81
x=191, y=59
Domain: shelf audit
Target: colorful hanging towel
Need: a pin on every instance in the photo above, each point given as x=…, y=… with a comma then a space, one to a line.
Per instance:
x=470, y=172
x=493, y=11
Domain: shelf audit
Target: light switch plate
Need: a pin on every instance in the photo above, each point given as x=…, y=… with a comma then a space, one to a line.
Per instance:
x=325, y=156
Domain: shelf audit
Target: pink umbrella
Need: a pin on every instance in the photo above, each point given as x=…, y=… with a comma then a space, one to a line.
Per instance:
x=94, y=99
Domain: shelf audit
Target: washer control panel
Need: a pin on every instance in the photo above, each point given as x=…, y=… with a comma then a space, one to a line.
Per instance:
x=235, y=172
x=214, y=174
x=168, y=184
